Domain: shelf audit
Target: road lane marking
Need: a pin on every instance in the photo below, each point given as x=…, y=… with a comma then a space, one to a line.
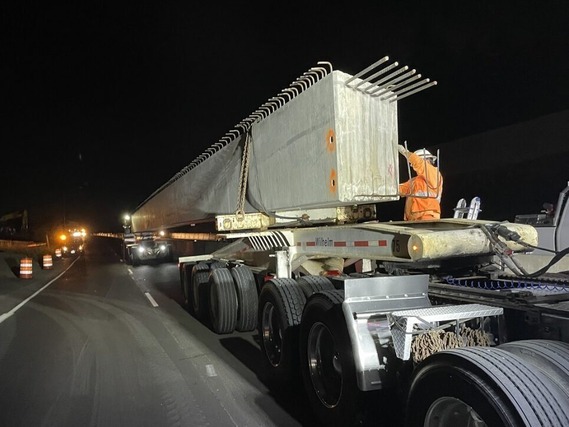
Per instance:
x=210, y=371
x=152, y=301
x=8, y=314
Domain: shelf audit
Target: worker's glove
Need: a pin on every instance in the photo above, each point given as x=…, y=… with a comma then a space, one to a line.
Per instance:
x=403, y=150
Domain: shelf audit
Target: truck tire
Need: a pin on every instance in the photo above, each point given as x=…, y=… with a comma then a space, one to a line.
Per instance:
x=186, y=281
x=247, y=298
x=312, y=284
x=280, y=309
x=483, y=386
x=549, y=356
x=199, y=290
x=217, y=264
x=222, y=301
x=327, y=364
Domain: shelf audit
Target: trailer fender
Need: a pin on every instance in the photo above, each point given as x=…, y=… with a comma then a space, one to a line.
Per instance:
x=366, y=304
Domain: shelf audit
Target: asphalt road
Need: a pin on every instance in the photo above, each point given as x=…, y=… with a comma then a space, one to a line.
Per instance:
x=94, y=342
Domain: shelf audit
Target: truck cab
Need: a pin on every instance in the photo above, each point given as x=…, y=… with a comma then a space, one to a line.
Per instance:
x=552, y=225
x=139, y=248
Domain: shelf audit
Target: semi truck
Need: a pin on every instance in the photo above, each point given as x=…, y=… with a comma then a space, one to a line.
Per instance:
x=415, y=323
x=146, y=247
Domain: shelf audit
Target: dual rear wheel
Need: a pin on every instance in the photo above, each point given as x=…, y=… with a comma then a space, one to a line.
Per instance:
x=227, y=298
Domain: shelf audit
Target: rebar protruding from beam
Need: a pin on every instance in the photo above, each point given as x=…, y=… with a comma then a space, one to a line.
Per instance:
x=291, y=89
x=365, y=70
x=231, y=133
x=303, y=85
x=389, y=84
x=278, y=99
x=387, y=80
x=380, y=72
x=392, y=89
x=398, y=92
x=243, y=126
x=308, y=76
x=319, y=70
x=261, y=113
x=289, y=96
x=326, y=63
x=419, y=89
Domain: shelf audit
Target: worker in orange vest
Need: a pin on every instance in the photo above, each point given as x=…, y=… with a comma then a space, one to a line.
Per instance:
x=423, y=191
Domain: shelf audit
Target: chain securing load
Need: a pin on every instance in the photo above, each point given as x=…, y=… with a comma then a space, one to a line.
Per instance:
x=425, y=344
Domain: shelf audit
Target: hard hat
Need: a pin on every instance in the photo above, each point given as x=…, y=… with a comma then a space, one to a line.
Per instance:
x=423, y=152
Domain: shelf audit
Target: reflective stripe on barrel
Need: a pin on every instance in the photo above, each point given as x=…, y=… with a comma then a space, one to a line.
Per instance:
x=25, y=268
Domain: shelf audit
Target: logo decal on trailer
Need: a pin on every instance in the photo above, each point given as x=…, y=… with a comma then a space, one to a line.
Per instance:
x=326, y=241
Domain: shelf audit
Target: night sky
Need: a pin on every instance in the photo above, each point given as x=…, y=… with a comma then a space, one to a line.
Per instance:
x=103, y=103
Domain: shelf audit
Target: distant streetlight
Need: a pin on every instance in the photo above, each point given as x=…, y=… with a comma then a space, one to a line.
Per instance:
x=126, y=223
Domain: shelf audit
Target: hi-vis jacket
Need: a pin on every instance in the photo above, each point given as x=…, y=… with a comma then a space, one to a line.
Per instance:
x=423, y=192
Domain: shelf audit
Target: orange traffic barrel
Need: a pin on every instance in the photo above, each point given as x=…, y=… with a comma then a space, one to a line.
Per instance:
x=47, y=262
x=25, y=268
x=58, y=253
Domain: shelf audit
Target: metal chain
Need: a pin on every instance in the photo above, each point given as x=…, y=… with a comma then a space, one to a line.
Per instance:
x=425, y=344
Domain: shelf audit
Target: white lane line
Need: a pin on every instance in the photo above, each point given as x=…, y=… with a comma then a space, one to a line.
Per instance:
x=8, y=314
x=210, y=371
x=152, y=301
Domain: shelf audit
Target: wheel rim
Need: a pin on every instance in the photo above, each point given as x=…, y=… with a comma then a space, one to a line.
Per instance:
x=324, y=365
x=272, y=334
x=449, y=411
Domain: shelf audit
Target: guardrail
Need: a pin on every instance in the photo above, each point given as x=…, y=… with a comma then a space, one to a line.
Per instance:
x=20, y=244
x=112, y=235
x=210, y=237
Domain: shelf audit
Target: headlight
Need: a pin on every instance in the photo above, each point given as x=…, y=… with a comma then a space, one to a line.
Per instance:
x=140, y=249
x=163, y=248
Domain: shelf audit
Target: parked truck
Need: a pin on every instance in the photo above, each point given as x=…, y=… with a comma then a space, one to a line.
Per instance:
x=422, y=323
